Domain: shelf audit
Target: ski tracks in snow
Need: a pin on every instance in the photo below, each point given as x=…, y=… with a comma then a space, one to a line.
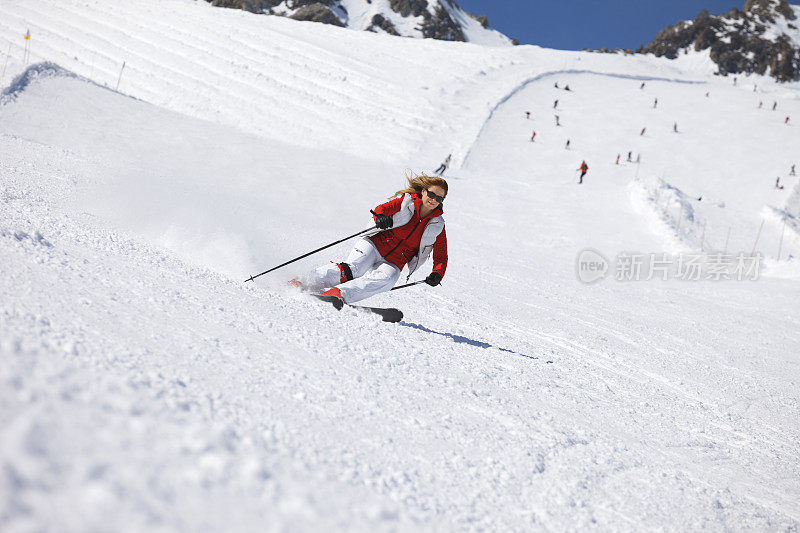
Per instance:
x=510, y=398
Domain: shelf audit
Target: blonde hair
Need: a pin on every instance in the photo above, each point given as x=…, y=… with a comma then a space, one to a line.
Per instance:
x=418, y=182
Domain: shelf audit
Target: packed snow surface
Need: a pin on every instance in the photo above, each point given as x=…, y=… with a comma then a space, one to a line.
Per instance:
x=144, y=386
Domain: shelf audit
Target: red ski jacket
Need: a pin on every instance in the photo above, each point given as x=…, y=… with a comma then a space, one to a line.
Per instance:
x=400, y=244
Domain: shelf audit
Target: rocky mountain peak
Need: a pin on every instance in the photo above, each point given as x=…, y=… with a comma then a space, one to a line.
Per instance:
x=429, y=19
x=762, y=38
x=767, y=9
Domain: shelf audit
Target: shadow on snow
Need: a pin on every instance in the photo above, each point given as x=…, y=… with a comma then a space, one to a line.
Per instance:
x=464, y=340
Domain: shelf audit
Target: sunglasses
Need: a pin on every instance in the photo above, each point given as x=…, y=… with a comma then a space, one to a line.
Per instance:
x=434, y=196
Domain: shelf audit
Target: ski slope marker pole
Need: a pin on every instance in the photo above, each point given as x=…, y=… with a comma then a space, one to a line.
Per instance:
x=120, y=76
x=703, y=238
x=2, y=76
x=251, y=278
x=757, y=236
x=27, y=52
x=728, y=238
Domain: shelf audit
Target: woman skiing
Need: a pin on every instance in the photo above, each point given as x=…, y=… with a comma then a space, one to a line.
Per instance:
x=410, y=225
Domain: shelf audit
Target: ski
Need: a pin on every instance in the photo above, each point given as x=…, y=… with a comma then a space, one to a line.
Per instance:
x=388, y=314
x=337, y=302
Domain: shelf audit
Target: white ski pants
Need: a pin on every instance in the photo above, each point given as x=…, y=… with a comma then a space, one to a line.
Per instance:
x=371, y=274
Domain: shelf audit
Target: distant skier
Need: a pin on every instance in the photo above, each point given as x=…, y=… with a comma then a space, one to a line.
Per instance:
x=583, y=168
x=786, y=121
x=555, y=104
x=556, y=85
x=707, y=95
x=641, y=86
x=443, y=166
x=755, y=87
x=567, y=145
x=533, y=136
x=410, y=228
x=566, y=88
x=774, y=105
x=617, y=163
x=791, y=172
x=734, y=81
x=675, y=127
x=558, y=123
x=630, y=154
x=778, y=183
x=760, y=104
x=527, y=114
x=641, y=134
x=655, y=103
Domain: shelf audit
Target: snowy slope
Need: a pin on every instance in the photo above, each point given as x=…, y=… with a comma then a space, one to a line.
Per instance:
x=714, y=155
x=303, y=83
x=144, y=386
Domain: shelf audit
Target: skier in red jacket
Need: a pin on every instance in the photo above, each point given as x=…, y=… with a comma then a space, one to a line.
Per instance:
x=584, y=168
x=411, y=226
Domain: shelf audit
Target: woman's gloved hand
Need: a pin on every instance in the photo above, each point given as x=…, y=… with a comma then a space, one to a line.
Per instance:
x=433, y=279
x=382, y=221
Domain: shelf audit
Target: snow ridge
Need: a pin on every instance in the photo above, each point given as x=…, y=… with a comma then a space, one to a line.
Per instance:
x=45, y=69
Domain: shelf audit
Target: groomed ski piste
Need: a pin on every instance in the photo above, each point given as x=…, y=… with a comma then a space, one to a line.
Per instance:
x=144, y=386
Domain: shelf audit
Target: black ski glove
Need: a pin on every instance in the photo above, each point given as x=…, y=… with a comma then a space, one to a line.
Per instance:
x=383, y=221
x=433, y=279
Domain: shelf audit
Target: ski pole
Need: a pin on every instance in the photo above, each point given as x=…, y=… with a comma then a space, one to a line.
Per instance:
x=251, y=278
x=407, y=285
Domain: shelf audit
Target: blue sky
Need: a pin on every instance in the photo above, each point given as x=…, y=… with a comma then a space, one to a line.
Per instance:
x=576, y=24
